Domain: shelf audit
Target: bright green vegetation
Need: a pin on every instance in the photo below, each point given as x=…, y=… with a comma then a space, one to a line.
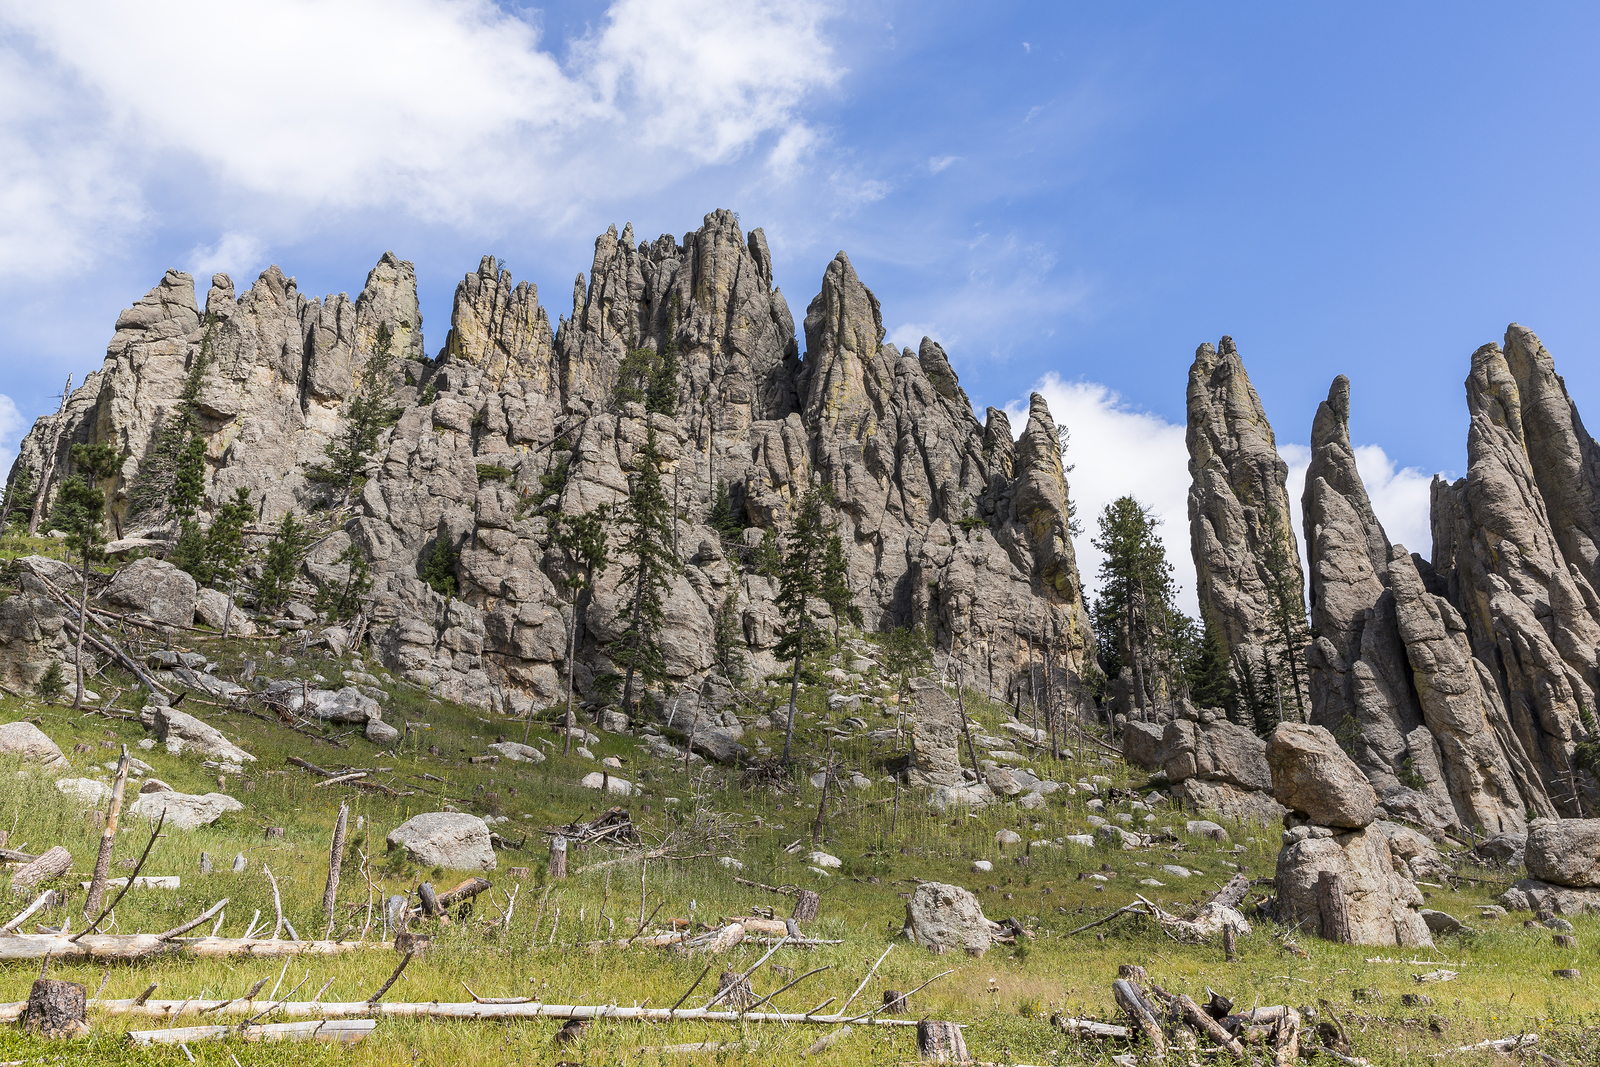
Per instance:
x=1006, y=998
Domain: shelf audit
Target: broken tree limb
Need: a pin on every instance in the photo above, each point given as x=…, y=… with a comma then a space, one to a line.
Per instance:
x=330, y=893
x=1089, y=1028
x=468, y=1010
x=782, y=890
x=192, y=923
x=463, y=891
x=108, y=839
x=338, y=1031
x=1130, y=998
x=51, y=864
x=38, y=902
x=868, y=978
x=126, y=947
x=1204, y=1023
x=132, y=878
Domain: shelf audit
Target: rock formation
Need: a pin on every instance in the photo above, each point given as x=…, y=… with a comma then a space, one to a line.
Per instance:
x=1247, y=559
x=947, y=523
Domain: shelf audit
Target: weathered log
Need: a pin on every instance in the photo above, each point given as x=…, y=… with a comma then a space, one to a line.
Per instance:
x=1232, y=894
x=1230, y=943
x=1089, y=1028
x=43, y=900
x=463, y=891
x=56, y=1008
x=734, y=990
x=1335, y=908
x=941, y=1042
x=52, y=864
x=558, y=857
x=1133, y=972
x=430, y=900
x=338, y=1031
x=806, y=902
x=822, y=1043
x=1132, y=1000
x=1208, y=1026
x=112, y=948
x=330, y=892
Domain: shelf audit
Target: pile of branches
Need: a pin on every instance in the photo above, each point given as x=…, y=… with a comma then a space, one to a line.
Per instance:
x=614, y=825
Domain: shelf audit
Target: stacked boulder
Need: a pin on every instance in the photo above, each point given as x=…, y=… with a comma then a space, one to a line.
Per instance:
x=1337, y=876
x=1563, y=857
x=1218, y=766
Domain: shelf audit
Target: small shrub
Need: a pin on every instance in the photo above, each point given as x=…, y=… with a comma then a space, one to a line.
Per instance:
x=53, y=684
x=493, y=472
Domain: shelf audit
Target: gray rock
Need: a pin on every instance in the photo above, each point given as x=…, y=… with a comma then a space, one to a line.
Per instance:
x=26, y=741
x=154, y=588
x=32, y=632
x=1565, y=852
x=1380, y=902
x=1440, y=922
x=721, y=744
x=85, y=790
x=381, y=733
x=1312, y=775
x=1531, y=894
x=518, y=752
x=1206, y=828
x=946, y=917
x=609, y=782
x=170, y=724
x=1220, y=752
x=1239, y=515
x=1505, y=850
x=945, y=797
x=1142, y=745
x=183, y=811
x=212, y=606
x=450, y=839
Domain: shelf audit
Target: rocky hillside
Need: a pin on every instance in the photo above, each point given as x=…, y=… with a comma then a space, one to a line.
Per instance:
x=1464, y=686
x=949, y=522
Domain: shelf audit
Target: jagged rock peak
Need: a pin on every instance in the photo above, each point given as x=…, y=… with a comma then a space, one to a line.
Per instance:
x=1240, y=531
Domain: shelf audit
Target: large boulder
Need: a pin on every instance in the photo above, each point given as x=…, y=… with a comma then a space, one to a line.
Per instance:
x=381, y=733
x=155, y=588
x=1546, y=898
x=450, y=839
x=1229, y=801
x=720, y=744
x=1312, y=775
x=1413, y=851
x=27, y=741
x=944, y=917
x=1216, y=752
x=86, y=791
x=935, y=736
x=183, y=811
x=170, y=723
x=1565, y=852
x=1142, y=745
x=212, y=607
x=348, y=705
x=1380, y=902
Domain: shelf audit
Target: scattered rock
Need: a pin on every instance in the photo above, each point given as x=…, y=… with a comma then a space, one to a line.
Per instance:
x=1440, y=922
x=155, y=588
x=381, y=733
x=170, y=724
x=945, y=917
x=517, y=752
x=86, y=790
x=184, y=811
x=450, y=839
x=610, y=783
x=823, y=859
x=27, y=741
x=212, y=606
x=1005, y=838
x=982, y=866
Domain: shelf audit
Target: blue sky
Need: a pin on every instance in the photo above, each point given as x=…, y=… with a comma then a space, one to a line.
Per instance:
x=1074, y=192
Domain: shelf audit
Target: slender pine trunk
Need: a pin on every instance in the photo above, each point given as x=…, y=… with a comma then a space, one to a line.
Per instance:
x=83, y=625
x=794, y=689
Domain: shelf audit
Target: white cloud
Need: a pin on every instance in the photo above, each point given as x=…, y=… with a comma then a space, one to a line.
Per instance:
x=938, y=163
x=1117, y=451
x=449, y=109
x=236, y=254
x=12, y=426
x=910, y=334
x=796, y=143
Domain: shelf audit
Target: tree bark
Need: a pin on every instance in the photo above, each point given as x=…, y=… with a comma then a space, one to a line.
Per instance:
x=330, y=893
x=1334, y=907
x=558, y=858
x=806, y=903
x=57, y=1008
x=941, y=1042
x=52, y=864
x=108, y=837
x=1133, y=1003
x=83, y=613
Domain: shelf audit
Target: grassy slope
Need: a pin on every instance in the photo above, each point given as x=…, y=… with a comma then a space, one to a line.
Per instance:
x=1006, y=997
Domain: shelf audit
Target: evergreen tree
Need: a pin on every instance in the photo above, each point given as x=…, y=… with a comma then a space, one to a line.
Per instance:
x=171, y=477
x=583, y=539
x=728, y=638
x=282, y=564
x=1135, y=607
x=1257, y=693
x=721, y=518
x=1286, y=615
x=801, y=579
x=906, y=652
x=189, y=480
x=225, y=539
x=647, y=516
x=439, y=566
x=19, y=499
x=372, y=411
x=1210, y=675
x=767, y=560
x=835, y=585
x=80, y=508
x=345, y=601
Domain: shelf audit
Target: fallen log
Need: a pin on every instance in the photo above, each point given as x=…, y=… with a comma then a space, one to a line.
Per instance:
x=360, y=1009
x=1089, y=1028
x=338, y=1031
x=115, y=948
x=52, y=864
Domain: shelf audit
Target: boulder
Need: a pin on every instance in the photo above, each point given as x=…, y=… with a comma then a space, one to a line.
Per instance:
x=26, y=741
x=823, y=859
x=1505, y=850
x=184, y=812
x=935, y=736
x=453, y=840
x=1228, y=801
x=348, y=705
x=1218, y=752
x=1565, y=852
x=613, y=721
x=1004, y=838
x=87, y=791
x=720, y=743
x=1117, y=837
x=1381, y=903
x=155, y=588
x=610, y=783
x=944, y=917
x=212, y=606
x=945, y=797
x=381, y=733
x=1414, y=854
x=1440, y=922
x=517, y=752
x=171, y=724
x=1541, y=897
x=1312, y=775
x=1142, y=745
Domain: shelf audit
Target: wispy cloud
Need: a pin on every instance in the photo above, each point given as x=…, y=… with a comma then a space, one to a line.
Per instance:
x=12, y=426
x=237, y=254
x=449, y=109
x=939, y=163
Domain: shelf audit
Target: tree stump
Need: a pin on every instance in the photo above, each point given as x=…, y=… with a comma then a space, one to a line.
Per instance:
x=806, y=903
x=1566, y=941
x=407, y=942
x=430, y=900
x=1334, y=907
x=894, y=1002
x=558, y=857
x=941, y=1042
x=1133, y=973
x=57, y=1008
x=274, y=832
x=739, y=995
x=53, y=864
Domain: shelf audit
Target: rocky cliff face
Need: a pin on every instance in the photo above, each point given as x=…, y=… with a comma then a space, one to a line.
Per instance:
x=1240, y=531
x=947, y=523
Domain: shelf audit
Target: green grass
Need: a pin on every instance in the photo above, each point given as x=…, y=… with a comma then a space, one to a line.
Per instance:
x=1505, y=984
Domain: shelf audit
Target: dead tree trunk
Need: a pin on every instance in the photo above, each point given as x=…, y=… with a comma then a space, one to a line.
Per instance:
x=330, y=893
x=1334, y=907
x=805, y=905
x=941, y=1042
x=52, y=864
x=558, y=858
x=894, y=1002
x=739, y=995
x=57, y=1008
x=1131, y=999
x=108, y=837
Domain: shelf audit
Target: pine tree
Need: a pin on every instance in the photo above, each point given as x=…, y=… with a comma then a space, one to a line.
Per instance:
x=171, y=477
x=439, y=566
x=767, y=559
x=80, y=508
x=721, y=517
x=372, y=411
x=19, y=499
x=647, y=516
x=189, y=480
x=1210, y=675
x=282, y=564
x=1136, y=599
x=1286, y=614
x=728, y=639
x=583, y=539
x=800, y=580
x=835, y=585
x=906, y=652
x=345, y=601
